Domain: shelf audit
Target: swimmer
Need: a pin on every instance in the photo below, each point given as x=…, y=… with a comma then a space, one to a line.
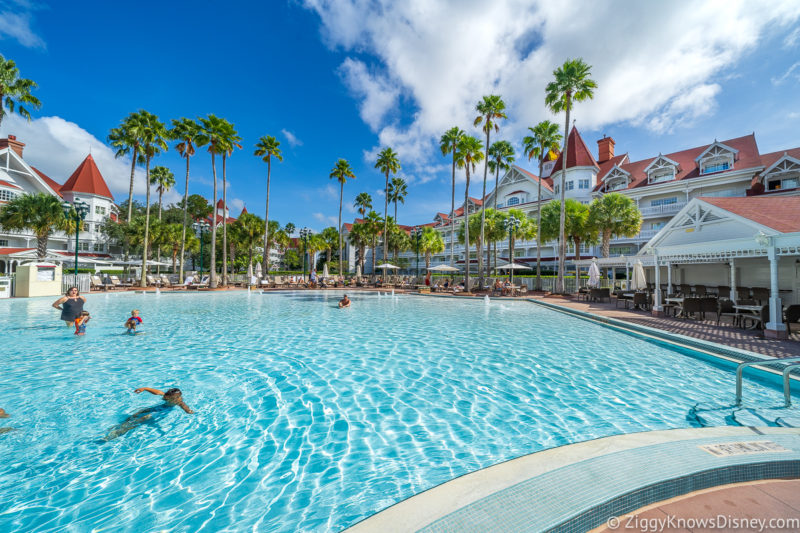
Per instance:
x=80, y=323
x=133, y=321
x=3, y=414
x=149, y=415
x=344, y=302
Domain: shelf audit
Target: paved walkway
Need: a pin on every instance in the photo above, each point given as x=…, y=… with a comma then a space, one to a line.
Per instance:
x=706, y=330
x=757, y=502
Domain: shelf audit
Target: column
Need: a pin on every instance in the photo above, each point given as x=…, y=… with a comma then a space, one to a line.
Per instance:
x=775, y=328
x=733, y=280
x=669, y=278
x=657, y=309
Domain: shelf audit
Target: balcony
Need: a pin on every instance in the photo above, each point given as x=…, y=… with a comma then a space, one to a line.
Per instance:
x=643, y=236
x=661, y=210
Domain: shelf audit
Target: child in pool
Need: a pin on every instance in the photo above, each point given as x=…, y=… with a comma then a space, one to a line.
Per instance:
x=3, y=414
x=149, y=415
x=80, y=323
x=133, y=321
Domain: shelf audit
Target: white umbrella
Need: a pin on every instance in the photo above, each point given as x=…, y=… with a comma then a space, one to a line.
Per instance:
x=443, y=268
x=639, y=280
x=325, y=271
x=387, y=265
x=513, y=266
x=594, y=275
x=258, y=269
x=358, y=270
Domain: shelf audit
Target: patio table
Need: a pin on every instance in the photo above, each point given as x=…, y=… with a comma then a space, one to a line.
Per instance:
x=677, y=303
x=754, y=310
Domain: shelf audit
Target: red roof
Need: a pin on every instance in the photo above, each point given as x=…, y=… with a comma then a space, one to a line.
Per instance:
x=49, y=181
x=244, y=210
x=9, y=251
x=546, y=182
x=777, y=212
x=578, y=155
x=771, y=158
x=87, y=179
x=10, y=185
x=220, y=205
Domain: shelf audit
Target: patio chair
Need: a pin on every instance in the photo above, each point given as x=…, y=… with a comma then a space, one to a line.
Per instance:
x=791, y=315
x=708, y=304
x=596, y=295
x=640, y=300
x=624, y=300
x=685, y=290
x=742, y=292
x=523, y=289
x=690, y=307
x=700, y=290
x=723, y=291
x=266, y=282
x=761, y=295
x=165, y=282
x=725, y=309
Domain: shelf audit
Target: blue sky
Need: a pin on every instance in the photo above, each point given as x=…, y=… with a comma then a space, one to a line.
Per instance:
x=342, y=78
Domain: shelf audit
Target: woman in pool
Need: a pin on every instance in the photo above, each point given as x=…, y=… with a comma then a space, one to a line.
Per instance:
x=148, y=415
x=70, y=305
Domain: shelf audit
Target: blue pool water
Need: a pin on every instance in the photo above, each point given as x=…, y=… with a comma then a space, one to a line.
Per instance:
x=308, y=418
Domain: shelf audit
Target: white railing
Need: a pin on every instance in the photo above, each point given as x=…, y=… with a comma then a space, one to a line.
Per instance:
x=644, y=235
x=83, y=282
x=659, y=210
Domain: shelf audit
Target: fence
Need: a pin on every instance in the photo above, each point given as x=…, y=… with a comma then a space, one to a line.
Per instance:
x=83, y=282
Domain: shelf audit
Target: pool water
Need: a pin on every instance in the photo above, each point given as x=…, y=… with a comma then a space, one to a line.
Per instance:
x=308, y=418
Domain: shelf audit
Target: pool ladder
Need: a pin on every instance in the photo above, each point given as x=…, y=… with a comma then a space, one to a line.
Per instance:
x=791, y=363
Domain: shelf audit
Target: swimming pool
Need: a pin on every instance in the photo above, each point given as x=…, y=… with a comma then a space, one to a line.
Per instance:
x=308, y=417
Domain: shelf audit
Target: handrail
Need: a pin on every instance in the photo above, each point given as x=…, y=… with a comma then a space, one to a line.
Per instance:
x=787, y=393
x=740, y=370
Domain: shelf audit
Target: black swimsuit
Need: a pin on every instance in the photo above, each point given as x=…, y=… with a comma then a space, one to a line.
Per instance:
x=71, y=309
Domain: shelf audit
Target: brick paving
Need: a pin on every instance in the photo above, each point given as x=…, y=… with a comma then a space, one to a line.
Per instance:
x=706, y=330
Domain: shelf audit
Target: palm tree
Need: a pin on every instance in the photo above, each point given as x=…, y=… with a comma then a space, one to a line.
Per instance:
x=230, y=141
x=331, y=237
x=164, y=180
x=571, y=84
x=398, y=190
x=399, y=240
x=468, y=154
x=41, y=213
x=267, y=147
x=359, y=237
x=500, y=156
x=614, y=214
x=152, y=142
x=171, y=235
x=373, y=222
x=542, y=143
x=470, y=232
x=248, y=232
x=125, y=140
x=185, y=131
x=495, y=231
x=449, y=144
x=526, y=231
x=387, y=163
x=577, y=227
x=490, y=110
x=363, y=203
x=431, y=242
x=212, y=131
x=15, y=91
x=341, y=172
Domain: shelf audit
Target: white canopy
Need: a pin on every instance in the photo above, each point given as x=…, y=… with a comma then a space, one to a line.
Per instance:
x=325, y=270
x=513, y=266
x=443, y=268
x=387, y=265
x=639, y=281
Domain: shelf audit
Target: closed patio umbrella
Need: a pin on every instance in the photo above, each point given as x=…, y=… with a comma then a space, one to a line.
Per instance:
x=513, y=266
x=358, y=270
x=325, y=271
x=594, y=275
x=639, y=282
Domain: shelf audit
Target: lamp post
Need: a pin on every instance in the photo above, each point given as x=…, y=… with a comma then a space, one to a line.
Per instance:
x=512, y=223
x=200, y=229
x=417, y=234
x=304, y=234
x=75, y=211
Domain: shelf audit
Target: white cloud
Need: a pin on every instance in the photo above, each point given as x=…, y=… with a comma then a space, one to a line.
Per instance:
x=291, y=138
x=327, y=219
x=793, y=71
x=235, y=206
x=792, y=38
x=17, y=26
x=655, y=63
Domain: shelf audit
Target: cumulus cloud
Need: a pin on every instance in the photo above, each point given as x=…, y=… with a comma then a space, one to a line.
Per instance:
x=235, y=206
x=291, y=138
x=327, y=219
x=655, y=63
x=17, y=26
x=57, y=146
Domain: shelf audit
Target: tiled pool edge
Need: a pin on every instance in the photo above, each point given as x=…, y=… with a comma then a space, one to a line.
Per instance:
x=493, y=495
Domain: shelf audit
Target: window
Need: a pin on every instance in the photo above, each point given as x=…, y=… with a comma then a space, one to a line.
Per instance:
x=657, y=225
x=716, y=167
x=3, y=242
x=84, y=247
x=788, y=183
x=620, y=250
x=97, y=247
x=616, y=185
x=664, y=201
x=662, y=175
x=519, y=253
x=570, y=185
x=556, y=189
x=513, y=201
x=99, y=210
x=583, y=184
x=6, y=195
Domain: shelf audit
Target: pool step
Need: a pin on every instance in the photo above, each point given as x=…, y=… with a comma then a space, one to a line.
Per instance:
x=713, y=415
x=789, y=421
x=747, y=416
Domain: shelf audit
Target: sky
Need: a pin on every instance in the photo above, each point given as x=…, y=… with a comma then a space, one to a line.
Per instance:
x=337, y=79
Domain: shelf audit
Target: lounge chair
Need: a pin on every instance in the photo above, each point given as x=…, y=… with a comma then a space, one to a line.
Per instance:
x=117, y=283
x=165, y=282
x=153, y=281
x=95, y=283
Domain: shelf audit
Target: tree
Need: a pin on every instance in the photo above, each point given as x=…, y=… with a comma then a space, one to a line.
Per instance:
x=152, y=142
x=387, y=163
x=576, y=223
x=229, y=141
x=41, y=213
x=331, y=237
x=198, y=207
x=275, y=236
x=164, y=180
x=399, y=240
x=248, y=232
x=359, y=237
x=185, y=131
x=495, y=231
x=373, y=222
x=431, y=242
x=267, y=147
x=527, y=230
x=571, y=84
x=490, y=110
x=398, y=190
x=363, y=203
x=449, y=144
x=126, y=139
x=289, y=228
x=15, y=91
x=469, y=153
x=171, y=236
x=500, y=157
x=341, y=172
x=470, y=232
x=212, y=133
x=614, y=214
x=542, y=143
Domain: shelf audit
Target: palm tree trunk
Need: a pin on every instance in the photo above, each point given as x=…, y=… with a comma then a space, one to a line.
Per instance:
x=374, y=253
x=453, y=213
x=341, y=196
x=174, y=257
x=265, y=259
x=562, y=244
x=185, y=215
x=143, y=280
x=158, y=248
x=606, y=242
x=130, y=189
x=213, y=260
x=385, y=219
x=41, y=247
x=483, y=207
x=224, y=222
x=467, y=261
x=538, y=227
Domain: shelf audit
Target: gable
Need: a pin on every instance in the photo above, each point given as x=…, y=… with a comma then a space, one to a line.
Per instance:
x=783, y=165
x=716, y=149
x=18, y=172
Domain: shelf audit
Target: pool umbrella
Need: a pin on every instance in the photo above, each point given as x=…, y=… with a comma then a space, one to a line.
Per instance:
x=387, y=265
x=513, y=266
x=594, y=275
x=639, y=280
x=358, y=270
x=258, y=270
x=325, y=271
x=443, y=268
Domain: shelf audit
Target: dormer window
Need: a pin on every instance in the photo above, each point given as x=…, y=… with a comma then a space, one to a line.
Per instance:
x=513, y=201
x=661, y=169
x=782, y=175
x=616, y=179
x=716, y=158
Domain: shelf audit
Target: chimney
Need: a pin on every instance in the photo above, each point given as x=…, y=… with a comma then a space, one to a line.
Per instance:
x=13, y=143
x=605, y=149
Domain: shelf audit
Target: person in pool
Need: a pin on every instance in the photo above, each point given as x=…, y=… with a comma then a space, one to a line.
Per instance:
x=133, y=321
x=80, y=323
x=172, y=398
x=3, y=414
x=344, y=302
x=70, y=305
